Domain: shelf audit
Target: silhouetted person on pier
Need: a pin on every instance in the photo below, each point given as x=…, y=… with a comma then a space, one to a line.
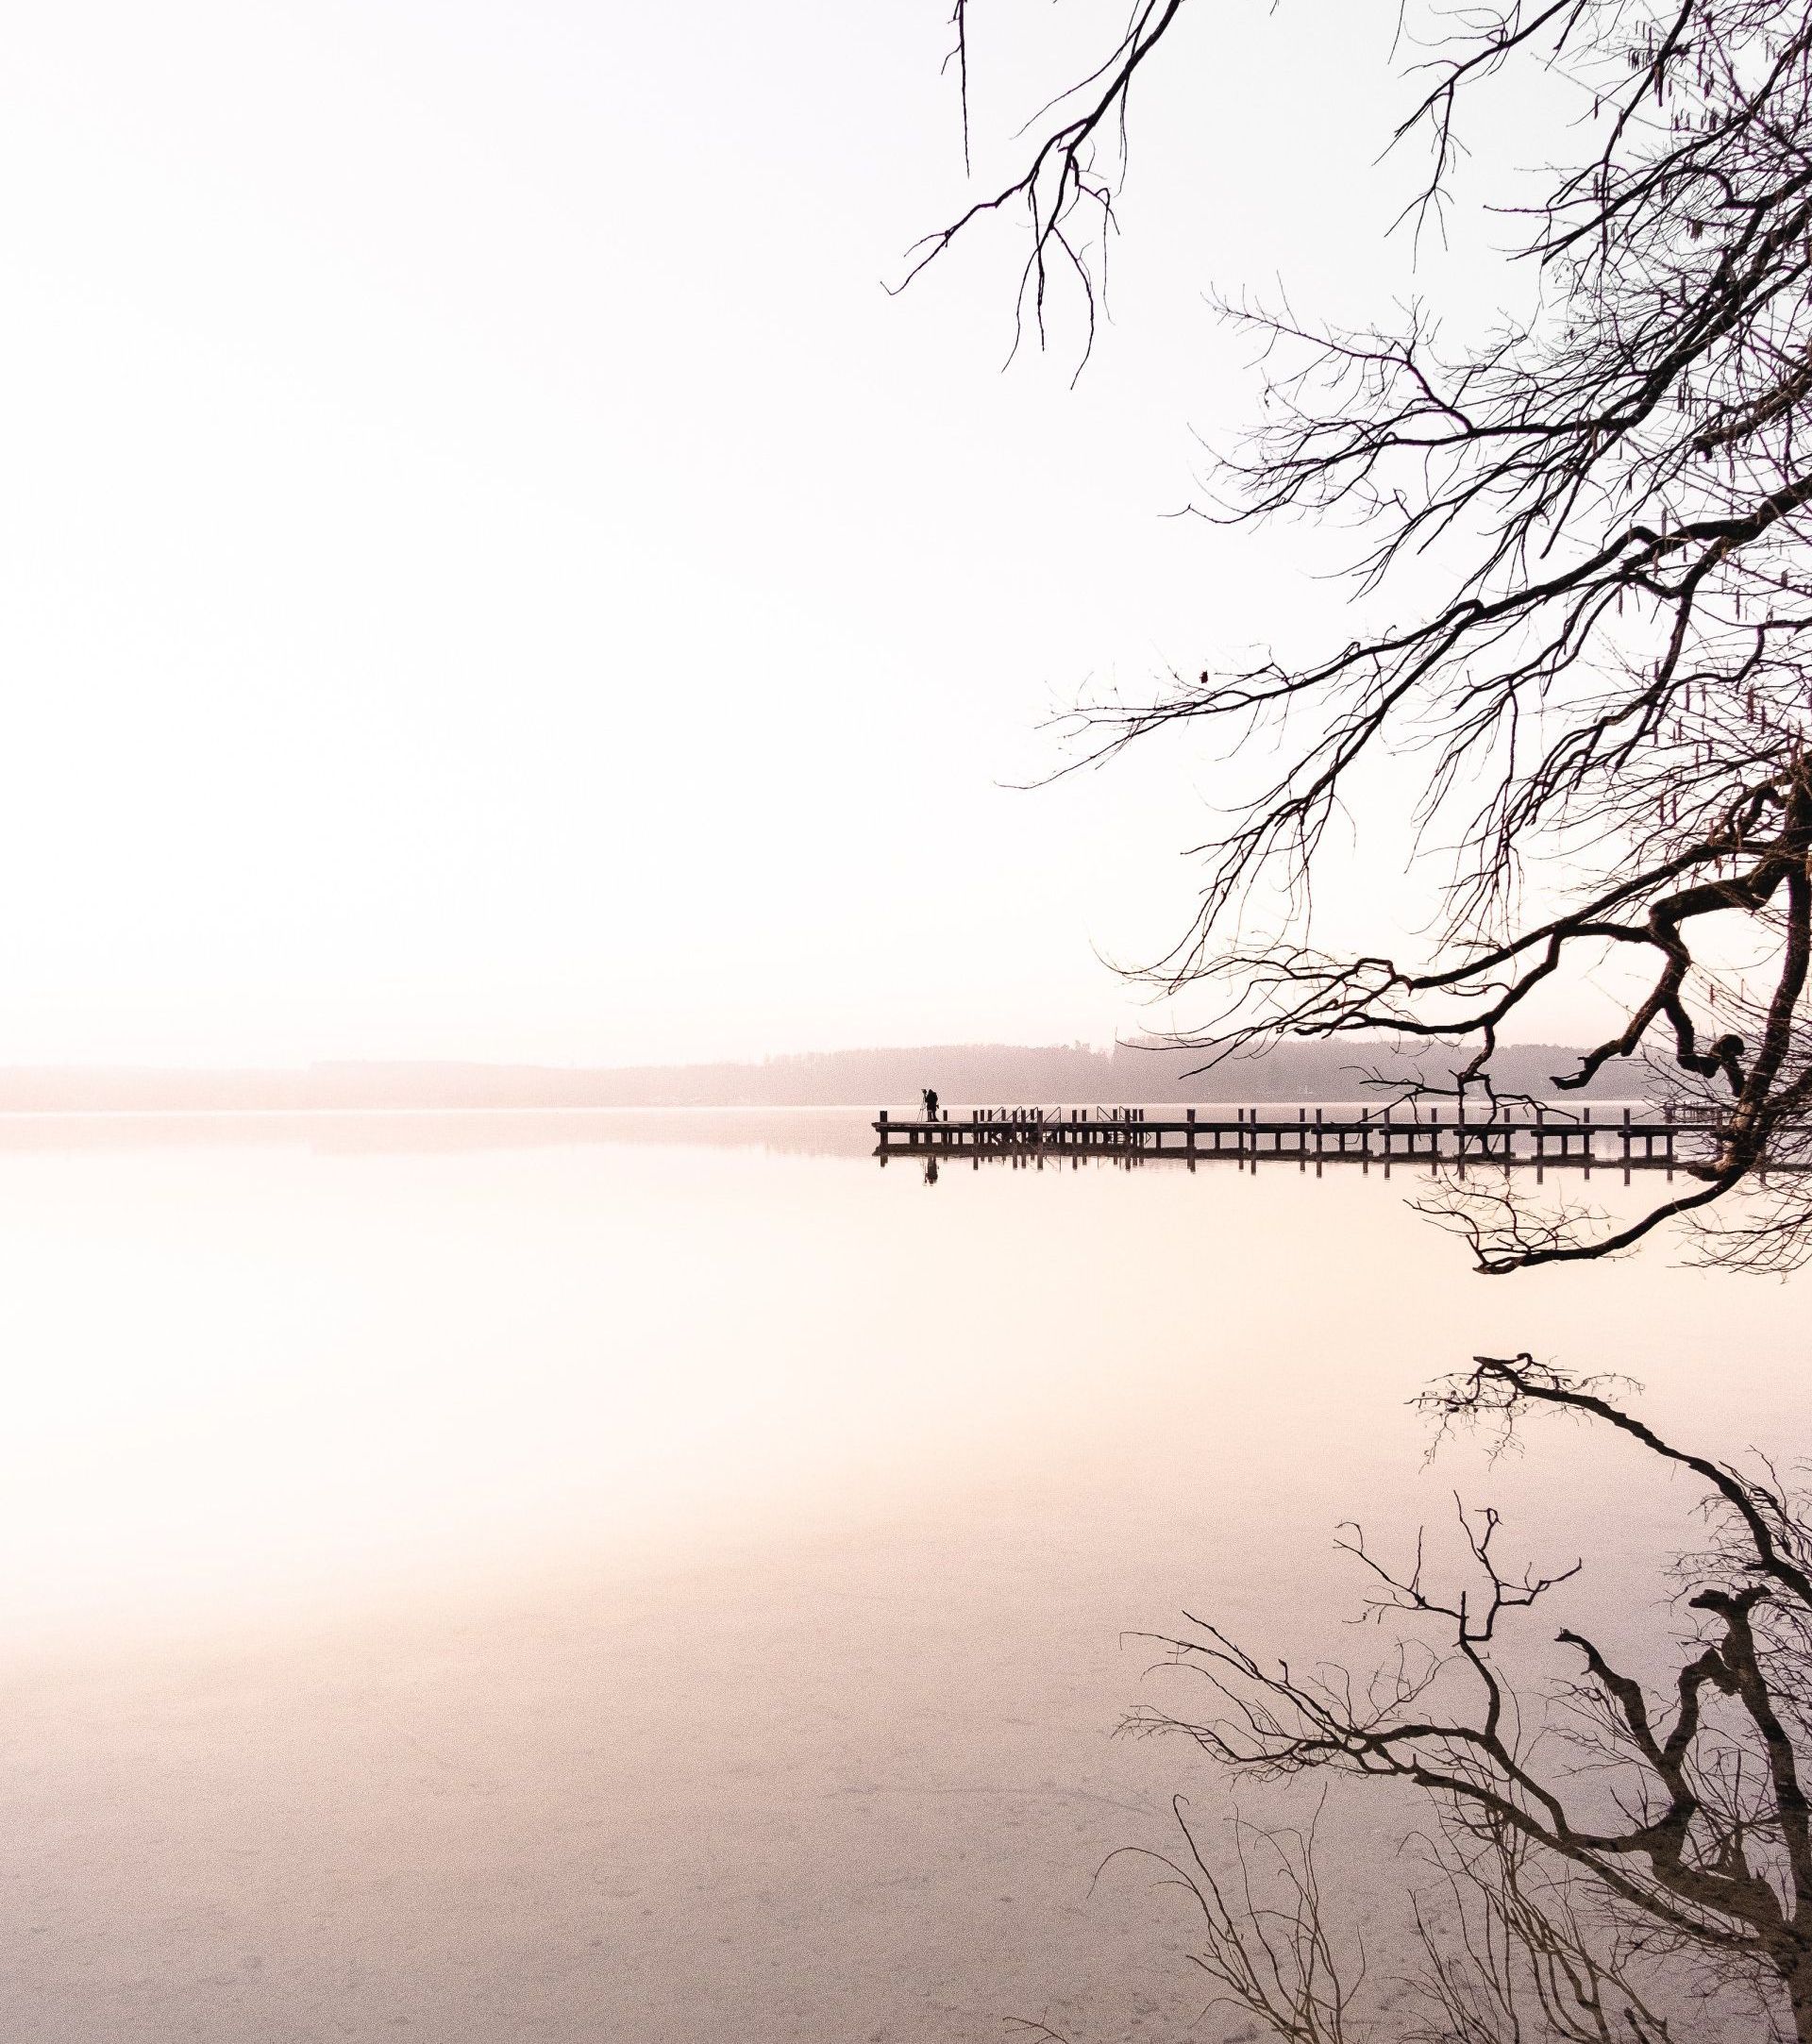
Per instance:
x=930, y=1094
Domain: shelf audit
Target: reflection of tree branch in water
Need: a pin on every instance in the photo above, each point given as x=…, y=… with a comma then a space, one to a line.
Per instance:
x=1502, y=1949
x=1605, y=1847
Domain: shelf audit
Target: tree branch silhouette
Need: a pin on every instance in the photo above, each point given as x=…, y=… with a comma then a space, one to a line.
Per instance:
x=1621, y=1832
x=1601, y=660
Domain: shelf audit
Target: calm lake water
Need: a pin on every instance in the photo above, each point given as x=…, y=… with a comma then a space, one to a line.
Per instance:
x=547, y=1578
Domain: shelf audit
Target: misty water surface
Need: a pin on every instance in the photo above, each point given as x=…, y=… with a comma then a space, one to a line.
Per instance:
x=561, y=1578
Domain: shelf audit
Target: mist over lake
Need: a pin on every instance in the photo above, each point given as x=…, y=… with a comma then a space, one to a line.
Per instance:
x=677, y=1589
x=906, y=1023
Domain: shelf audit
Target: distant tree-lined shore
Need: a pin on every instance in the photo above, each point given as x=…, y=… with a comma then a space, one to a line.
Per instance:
x=872, y=1078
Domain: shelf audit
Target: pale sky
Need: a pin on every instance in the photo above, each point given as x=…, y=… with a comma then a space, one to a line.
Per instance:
x=488, y=571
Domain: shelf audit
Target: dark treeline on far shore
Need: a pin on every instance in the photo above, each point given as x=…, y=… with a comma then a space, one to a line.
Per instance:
x=962, y=1073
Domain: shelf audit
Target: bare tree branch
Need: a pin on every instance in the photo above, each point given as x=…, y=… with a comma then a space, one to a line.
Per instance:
x=1608, y=686
x=1676, y=1836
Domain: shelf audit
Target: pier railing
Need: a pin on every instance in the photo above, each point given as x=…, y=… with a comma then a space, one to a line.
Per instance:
x=1626, y=1139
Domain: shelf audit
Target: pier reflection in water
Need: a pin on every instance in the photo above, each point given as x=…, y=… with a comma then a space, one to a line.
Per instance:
x=554, y=1577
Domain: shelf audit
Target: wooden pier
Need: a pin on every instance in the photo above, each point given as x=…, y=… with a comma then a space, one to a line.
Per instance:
x=1626, y=1140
